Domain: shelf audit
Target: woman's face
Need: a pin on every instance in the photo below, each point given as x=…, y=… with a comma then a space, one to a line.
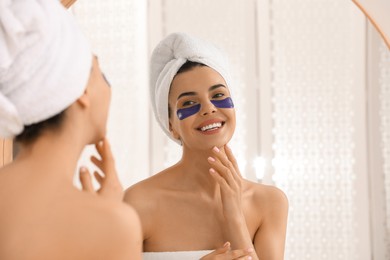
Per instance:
x=100, y=93
x=202, y=113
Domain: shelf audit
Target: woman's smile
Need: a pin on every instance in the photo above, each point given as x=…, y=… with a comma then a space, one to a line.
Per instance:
x=211, y=126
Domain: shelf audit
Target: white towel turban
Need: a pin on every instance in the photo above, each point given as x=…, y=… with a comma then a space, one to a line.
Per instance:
x=167, y=58
x=45, y=62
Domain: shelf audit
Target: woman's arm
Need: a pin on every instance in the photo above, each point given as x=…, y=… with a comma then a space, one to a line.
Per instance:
x=270, y=238
x=224, y=169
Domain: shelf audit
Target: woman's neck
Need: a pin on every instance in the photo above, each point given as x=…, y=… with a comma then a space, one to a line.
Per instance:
x=194, y=168
x=54, y=153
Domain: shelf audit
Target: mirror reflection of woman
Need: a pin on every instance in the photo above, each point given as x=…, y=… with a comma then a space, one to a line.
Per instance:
x=201, y=207
x=54, y=101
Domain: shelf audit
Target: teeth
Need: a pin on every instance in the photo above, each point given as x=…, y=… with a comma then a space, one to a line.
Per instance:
x=211, y=126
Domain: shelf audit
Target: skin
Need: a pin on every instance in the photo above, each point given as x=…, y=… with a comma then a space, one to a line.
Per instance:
x=43, y=216
x=202, y=201
x=67, y=3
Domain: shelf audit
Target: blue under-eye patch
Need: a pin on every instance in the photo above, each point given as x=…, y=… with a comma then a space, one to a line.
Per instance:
x=186, y=112
x=189, y=111
x=224, y=103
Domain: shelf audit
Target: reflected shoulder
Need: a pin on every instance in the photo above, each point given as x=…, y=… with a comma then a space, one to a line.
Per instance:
x=268, y=195
x=145, y=190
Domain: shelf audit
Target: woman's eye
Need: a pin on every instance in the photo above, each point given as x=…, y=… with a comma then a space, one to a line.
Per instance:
x=188, y=103
x=218, y=95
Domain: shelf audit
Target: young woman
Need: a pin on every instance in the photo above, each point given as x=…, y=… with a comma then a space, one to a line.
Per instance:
x=202, y=201
x=54, y=100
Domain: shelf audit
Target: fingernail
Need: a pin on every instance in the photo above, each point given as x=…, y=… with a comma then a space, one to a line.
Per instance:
x=211, y=159
x=226, y=244
x=83, y=169
x=250, y=250
x=249, y=258
x=216, y=149
x=212, y=170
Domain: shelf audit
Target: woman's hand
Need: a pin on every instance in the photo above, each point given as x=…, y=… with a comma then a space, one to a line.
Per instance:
x=110, y=186
x=225, y=252
x=224, y=170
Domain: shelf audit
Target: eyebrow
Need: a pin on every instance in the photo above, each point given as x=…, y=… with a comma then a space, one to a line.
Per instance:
x=217, y=86
x=194, y=93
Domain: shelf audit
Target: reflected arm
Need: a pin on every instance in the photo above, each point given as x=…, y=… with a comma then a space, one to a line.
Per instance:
x=270, y=238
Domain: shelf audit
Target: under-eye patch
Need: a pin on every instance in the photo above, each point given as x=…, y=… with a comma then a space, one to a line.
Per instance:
x=189, y=111
x=224, y=103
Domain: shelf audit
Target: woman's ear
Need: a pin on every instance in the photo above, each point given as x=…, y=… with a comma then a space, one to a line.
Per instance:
x=84, y=99
x=173, y=132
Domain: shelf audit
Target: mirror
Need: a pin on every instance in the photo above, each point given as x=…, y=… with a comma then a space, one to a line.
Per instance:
x=331, y=215
x=378, y=13
x=305, y=73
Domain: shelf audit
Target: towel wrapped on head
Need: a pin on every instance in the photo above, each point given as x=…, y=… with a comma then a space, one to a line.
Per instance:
x=45, y=62
x=167, y=58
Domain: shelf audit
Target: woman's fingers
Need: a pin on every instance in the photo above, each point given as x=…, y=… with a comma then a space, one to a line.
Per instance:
x=225, y=248
x=218, y=178
x=240, y=253
x=222, y=171
x=106, y=164
x=232, y=159
x=225, y=252
x=85, y=180
x=243, y=258
x=97, y=162
x=229, y=162
x=99, y=178
x=104, y=150
x=218, y=253
x=110, y=185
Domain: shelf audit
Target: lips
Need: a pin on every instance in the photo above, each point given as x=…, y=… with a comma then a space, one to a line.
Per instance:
x=210, y=125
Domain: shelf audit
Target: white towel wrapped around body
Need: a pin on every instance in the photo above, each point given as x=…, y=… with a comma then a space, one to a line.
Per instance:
x=179, y=255
x=45, y=62
x=167, y=58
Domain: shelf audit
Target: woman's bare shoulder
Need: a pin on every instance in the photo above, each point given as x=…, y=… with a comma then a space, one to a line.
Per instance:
x=146, y=191
x=73, y=225
x=113, y=228
x=266, y=195
x=128, y=234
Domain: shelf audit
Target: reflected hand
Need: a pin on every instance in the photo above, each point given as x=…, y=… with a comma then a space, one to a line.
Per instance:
x=225, y=252
x=224, y=169
x=110, y=186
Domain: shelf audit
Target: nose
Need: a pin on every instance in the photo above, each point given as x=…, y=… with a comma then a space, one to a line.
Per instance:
x=207, y=108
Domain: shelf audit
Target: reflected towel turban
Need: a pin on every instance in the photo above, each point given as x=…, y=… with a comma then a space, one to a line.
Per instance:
x=167, y=58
